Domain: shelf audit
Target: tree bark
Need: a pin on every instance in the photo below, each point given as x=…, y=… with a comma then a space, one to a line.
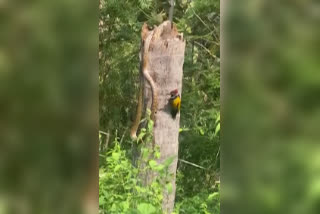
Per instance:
x=166, y=58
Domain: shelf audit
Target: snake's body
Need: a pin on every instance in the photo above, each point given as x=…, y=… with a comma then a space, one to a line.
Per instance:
x=146, y=38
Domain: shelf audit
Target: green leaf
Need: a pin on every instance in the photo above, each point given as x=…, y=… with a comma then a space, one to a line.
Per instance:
x=102, y=173
x=140, y=189
x=159, y=167
x=148, y=112
x=150, y=126
x=169, y=161
x=101, y=200
x=157, y=154
x=116, y=156
x=145, y=153
x=145, y=208
x=153, y=164
x=141, y=135
x=117, y=168
x=145, y=4
x=201, y=131
x=218, y=118
x=125, y=205
x=217, y=129
x=183, y=130
x=169, y=187
x=133, y=211
x=213, y=196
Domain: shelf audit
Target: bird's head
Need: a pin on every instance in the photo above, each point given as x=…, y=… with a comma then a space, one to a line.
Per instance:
x=174, y=92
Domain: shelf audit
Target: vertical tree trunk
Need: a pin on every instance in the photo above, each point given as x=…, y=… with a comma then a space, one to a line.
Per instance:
x=166, y=58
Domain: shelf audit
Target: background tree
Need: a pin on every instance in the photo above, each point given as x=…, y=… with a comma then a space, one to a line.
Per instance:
x=48, y=102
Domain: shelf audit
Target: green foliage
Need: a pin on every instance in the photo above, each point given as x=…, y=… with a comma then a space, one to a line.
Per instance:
x=145, y=4
x=273, y=89
x=48, y=87
x=200, y=109
x=200, y=204
x=123, y=187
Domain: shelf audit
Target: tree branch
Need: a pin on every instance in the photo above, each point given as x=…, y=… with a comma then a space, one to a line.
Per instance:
x=192, y=164
x=107, y=139
x=208, y=51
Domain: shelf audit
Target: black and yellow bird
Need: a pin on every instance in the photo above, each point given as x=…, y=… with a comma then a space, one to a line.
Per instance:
x=175, y=103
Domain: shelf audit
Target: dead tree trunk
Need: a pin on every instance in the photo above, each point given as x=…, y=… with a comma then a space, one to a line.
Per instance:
x=165, y=58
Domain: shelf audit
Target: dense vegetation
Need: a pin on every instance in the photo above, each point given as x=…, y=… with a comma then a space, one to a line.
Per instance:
x=199, y=143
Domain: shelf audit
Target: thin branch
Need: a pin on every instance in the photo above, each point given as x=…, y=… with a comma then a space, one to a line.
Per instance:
x=208, y=51
x=123, y=136
x=102, y=132
x=200, y=19
x=192, y=52
x=192, y=164
x=204, y=23
x=208, y=41
x=106, y=142
x=202, y=37
x=217, y=155
x=149, y=17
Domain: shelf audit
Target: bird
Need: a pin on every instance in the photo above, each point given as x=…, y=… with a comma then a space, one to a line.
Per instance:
x=175, y=103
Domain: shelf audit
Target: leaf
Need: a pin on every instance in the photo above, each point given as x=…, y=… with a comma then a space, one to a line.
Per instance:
x=145, y=208
x=141, y=135
x=183, y=130
x=140, y=189
x=117, y=168
x=157, y=154
x=101, y=200
x=150, y=126
x=152, y=164
x=169, y=161
x=133, y=211
x=213, y=196
x=218, y=118
x=102, y=173
x=148, y=112
x=145, y=153
x=145, y=4
x=169, y=187
x=201, y=132
x=125, y=205
x=188, y=29
x=116, y=156
x=217, y=129
x=159, y=167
